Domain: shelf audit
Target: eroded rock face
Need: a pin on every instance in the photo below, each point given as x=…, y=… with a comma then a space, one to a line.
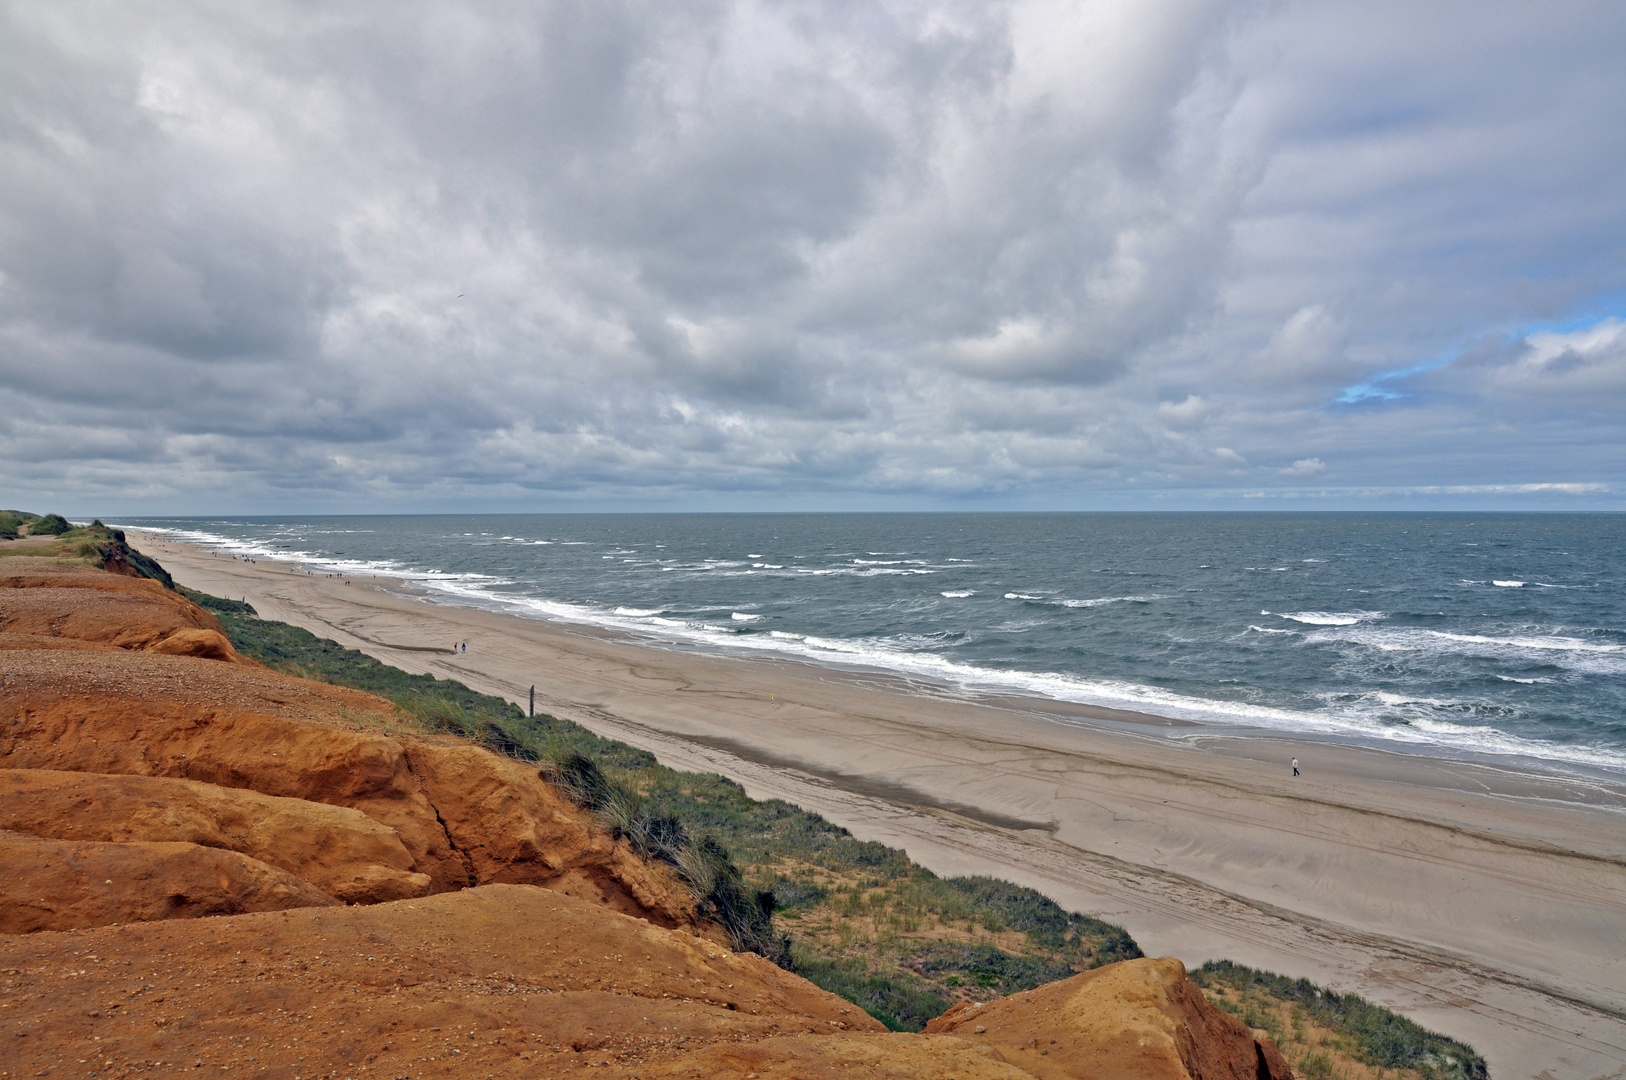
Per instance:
x=126, y=702
x=1138, y=1018
x=342, y=852
x=67, y=884
x=99, y=608
x=464, y=815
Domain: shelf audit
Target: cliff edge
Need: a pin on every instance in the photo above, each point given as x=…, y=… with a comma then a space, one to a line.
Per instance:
x=209, y=864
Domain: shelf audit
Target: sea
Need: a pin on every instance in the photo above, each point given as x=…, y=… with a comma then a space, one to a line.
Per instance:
x=1454, y=634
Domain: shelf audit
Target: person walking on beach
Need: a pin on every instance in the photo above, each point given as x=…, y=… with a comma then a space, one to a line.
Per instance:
x=1295, y=766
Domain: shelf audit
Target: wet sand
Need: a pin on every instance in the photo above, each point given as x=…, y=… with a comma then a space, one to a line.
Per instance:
x=1484, y=902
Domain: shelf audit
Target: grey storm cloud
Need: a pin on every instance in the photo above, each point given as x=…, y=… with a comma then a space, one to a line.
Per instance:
x=531, y=256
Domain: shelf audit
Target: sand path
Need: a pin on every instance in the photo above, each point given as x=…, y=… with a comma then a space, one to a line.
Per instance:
x=1483, y=902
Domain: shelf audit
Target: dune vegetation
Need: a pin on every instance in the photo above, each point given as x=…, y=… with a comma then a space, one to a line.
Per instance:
x=1324, y=1034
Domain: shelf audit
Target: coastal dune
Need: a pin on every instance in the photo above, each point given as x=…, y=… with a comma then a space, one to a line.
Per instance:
x=1483, y=901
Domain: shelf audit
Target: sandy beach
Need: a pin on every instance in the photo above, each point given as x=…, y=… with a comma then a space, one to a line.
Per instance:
x=1484, y=902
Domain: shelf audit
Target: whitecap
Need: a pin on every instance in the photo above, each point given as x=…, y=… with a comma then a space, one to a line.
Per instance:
x=1509, y=584
x=1331, y=618
x=1268, y=630
x=956, y=594
x=1551, y=643
x=1397, y=700
x=740, y=616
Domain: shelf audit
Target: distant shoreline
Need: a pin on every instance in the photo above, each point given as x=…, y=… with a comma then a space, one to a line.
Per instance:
x=1201, y=844
x=1035, y=702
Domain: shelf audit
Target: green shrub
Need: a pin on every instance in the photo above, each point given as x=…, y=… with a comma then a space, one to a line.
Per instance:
x=49, y=525
x=990, y=967
x=1316, y=1066
x=217, y=604
x=899, y=999
x=580, y=779
x=1382, y=1038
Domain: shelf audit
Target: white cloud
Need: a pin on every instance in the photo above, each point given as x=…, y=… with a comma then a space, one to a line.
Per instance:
x=451, y=254
x=1182, y=413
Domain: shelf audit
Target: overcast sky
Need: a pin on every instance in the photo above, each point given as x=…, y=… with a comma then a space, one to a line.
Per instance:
x=283, y=257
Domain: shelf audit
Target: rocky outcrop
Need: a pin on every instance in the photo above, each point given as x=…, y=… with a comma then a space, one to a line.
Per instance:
x=133, y=699
x=99, y=608
x=342, y=852
x=464, y=815
x=1138, y=1018
x=68, y=884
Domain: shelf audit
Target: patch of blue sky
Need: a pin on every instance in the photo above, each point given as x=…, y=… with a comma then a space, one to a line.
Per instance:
x=1381, y=388
x=1375, y=388
x=1612, y=306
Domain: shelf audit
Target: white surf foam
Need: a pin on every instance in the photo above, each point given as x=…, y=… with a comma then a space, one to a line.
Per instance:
x=1102, y=601
x=1331, y=618
x=1420, y=723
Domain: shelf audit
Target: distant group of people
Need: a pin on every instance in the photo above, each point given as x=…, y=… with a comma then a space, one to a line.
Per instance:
x=460, y=646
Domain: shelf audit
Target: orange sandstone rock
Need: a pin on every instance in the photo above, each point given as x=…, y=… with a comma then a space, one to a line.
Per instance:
x=464, y=815
x=86, y=605
x=341, y=851
x=1138, y=1018
x=503, y=980
x=65, y=884
x=515, y=981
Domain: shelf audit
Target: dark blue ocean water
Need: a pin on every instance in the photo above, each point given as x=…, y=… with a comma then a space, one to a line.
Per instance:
x=1491, y=633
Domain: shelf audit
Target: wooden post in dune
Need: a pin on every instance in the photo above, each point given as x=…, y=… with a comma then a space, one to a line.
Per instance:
x=533, y=701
